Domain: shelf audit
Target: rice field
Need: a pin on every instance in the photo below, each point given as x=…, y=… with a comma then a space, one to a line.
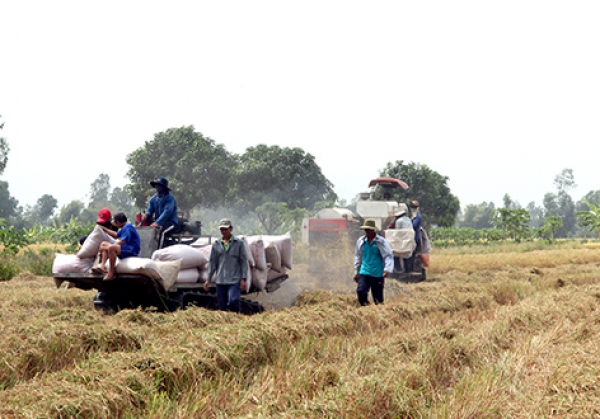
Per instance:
x=510, y=332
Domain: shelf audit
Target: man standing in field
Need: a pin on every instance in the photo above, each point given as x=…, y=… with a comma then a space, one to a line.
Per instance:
x=417, y=222
x=229, y=260
x=373, y=261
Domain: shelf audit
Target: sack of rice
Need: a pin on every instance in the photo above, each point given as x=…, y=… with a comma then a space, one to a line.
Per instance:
x=91, y=245
x=284, y=244
x=191, y=257
x=257, y=248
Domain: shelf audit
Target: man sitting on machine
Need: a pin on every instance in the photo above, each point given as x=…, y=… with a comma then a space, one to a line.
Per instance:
x=162, y=208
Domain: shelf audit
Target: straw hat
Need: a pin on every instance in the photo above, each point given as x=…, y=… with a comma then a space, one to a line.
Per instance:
x=399, y=212
x=369, y=225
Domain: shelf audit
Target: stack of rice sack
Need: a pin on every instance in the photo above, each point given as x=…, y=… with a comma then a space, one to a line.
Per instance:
x=194, y=262
x=81, y=262
x=272, y=256
x=269, y=257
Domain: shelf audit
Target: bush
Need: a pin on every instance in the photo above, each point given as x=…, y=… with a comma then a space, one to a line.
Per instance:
x=38, y=263
x=8, y=268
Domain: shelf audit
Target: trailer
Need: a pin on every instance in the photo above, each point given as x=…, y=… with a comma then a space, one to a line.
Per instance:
x=138, y=290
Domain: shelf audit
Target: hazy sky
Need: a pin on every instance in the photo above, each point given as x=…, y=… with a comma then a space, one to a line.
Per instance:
x=498, y=96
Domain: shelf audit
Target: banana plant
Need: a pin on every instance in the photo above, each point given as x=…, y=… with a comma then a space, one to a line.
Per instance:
x=591, y=218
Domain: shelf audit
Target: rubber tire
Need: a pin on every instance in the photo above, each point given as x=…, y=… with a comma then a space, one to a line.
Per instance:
x=103, y=301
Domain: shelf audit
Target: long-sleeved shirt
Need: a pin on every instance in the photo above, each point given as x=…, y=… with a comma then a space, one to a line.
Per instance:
x=164, y=210
x=387, y=257
x=231, y=264
x=417, y=221
x=403, y=222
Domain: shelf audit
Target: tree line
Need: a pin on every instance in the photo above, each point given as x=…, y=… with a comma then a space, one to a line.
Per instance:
x=270, y=189
x=559, y=216
x=275, y=186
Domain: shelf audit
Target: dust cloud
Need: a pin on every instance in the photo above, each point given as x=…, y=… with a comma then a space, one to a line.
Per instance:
x=328, y=269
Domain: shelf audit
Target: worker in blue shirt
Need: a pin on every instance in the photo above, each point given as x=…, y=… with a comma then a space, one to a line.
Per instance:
x=162, y=207
x=417, y=222
x=373, y=261
x=127, y=245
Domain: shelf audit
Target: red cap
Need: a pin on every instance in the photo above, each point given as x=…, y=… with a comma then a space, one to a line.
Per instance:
x=104, y=216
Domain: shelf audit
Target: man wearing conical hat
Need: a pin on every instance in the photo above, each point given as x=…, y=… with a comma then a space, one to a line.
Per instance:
x=373, y=261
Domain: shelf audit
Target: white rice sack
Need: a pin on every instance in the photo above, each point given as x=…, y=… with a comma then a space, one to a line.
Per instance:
x=257, y=249
x=205, y=250
x=249, y=278
x=191, y=257
x=402, y=241
x=91, y=245
x=67, y=264
x=248, y=251
x=203, y=273
x=168, y=272
x=188, y=276
x=136, y=265
x=273, y=274
x=259, y=278
x=203, y=241
x=284, y=244
x=273, y=257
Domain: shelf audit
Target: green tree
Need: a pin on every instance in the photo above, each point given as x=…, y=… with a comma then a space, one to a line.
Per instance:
x=72, y=210
x=120, y=199
x=551, y=225
x=198, y=169
x=508, y=202
x=592, y=197
x=514, y=222
x=561, y=204
x=276, y=217
x=590, y=218
x=89, y=215
x=437, y=204
x=99, y=191
x=4, y=149
x=551, y=208
x=569, y=215
x=536, y=215
x=478, y=216
x=22, y=218
x=8, y=204
x=281, y=175
x=583, y=205
x=45, y=207
x=565, y=181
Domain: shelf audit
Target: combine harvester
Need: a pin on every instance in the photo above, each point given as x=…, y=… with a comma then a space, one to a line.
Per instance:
x=332, y=233
x=151, y=282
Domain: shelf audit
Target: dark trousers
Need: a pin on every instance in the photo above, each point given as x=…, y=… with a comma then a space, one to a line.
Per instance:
x=401, y=264
x=409, y=264
x=366, y=283
x=228, y=297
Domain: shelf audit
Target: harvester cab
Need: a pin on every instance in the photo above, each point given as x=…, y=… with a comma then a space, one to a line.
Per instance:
x=377, y=204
